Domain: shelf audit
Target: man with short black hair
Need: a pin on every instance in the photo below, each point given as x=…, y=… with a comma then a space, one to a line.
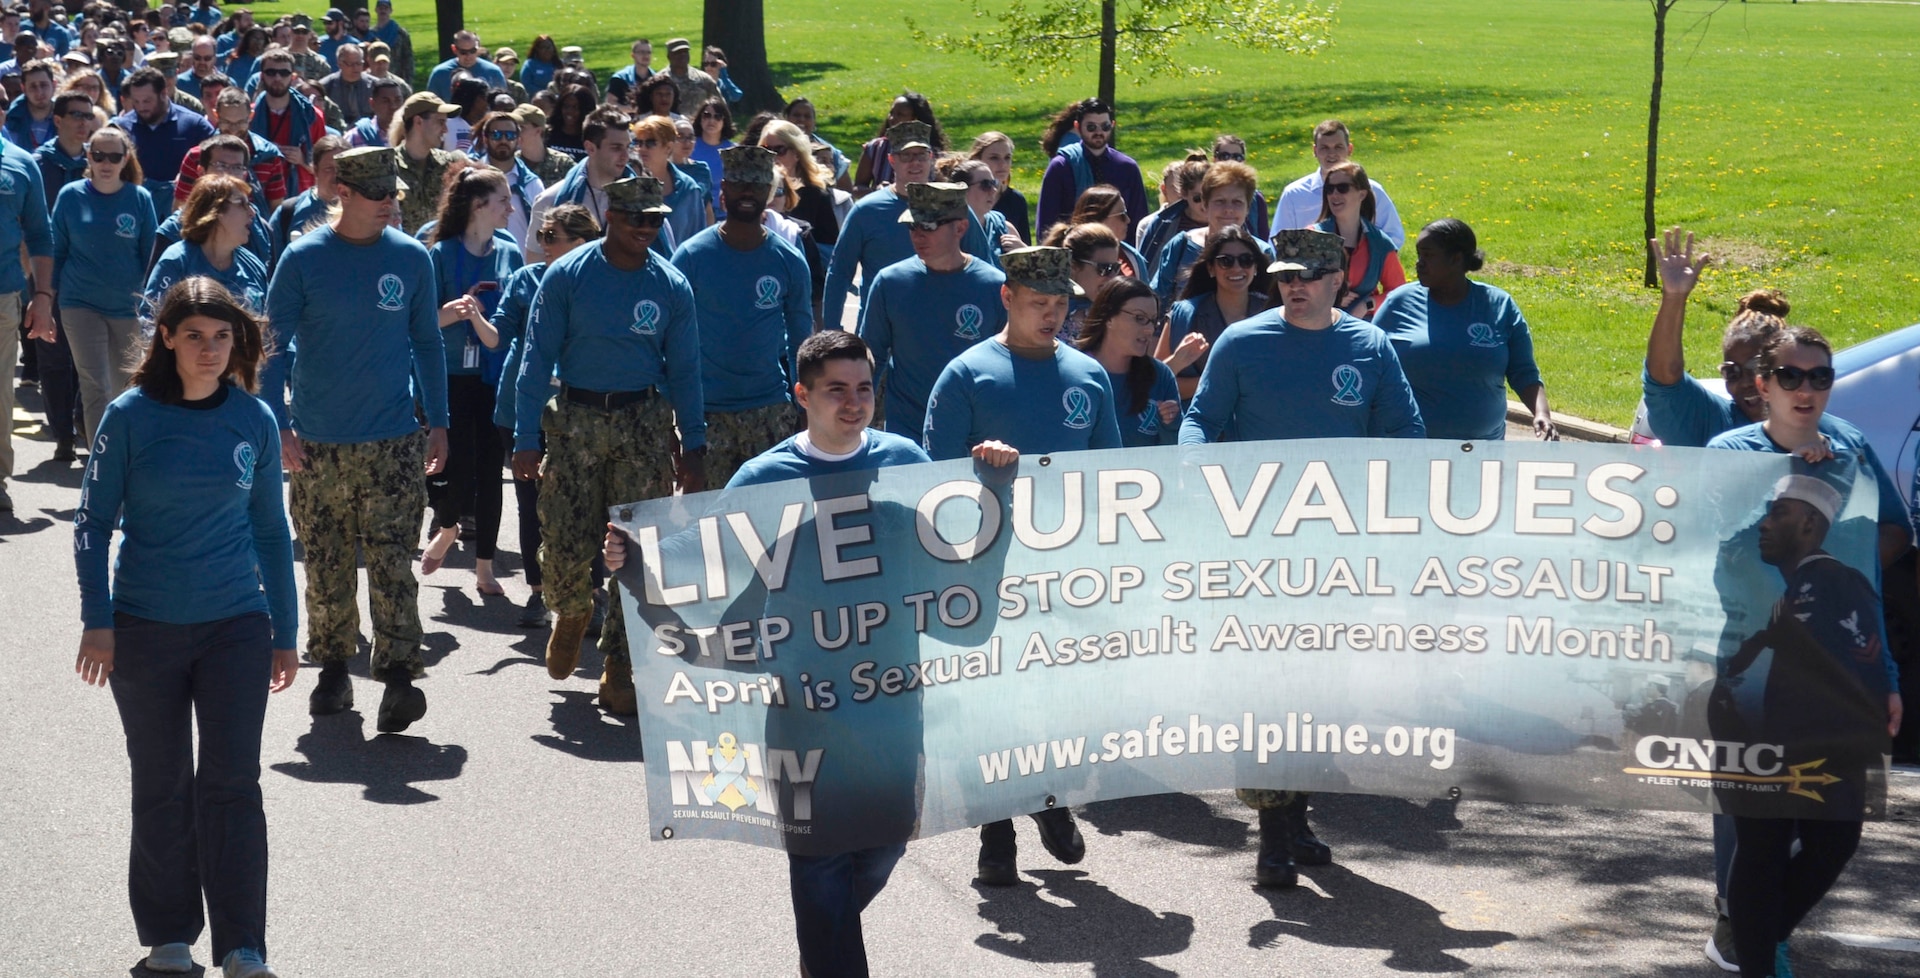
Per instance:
x=1300, y=202
x=384, y=98
x=495, y=142
x=29, y=120
x=1093, y=160
x=608, y=146
x=265, y=166
x=287, y=118
x=466, y=57
x=162, y=131
x=622, y=83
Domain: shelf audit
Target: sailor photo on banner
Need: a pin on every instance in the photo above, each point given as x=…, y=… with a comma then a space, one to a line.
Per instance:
x=866, y=658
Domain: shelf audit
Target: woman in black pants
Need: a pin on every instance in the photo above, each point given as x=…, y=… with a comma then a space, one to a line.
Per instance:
x=198, y=624
x=473, y=262
x=565, y=228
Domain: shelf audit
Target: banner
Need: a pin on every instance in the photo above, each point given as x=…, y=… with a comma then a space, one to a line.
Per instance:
x=857, y=660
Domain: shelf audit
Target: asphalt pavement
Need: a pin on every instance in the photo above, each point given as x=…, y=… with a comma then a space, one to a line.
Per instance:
x=505, y=835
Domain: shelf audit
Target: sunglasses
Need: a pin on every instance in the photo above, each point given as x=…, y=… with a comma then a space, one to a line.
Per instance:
x=1339, y=188
x=80, y=114
x=1104, y=269
x=548, y=235
x=507, y=135
x=1790, y=378
x=647, y=220
x=276, y=72
x=648, y=143
x=1096, y=127
x=376, y=198
x=781, y=150
x=709, y=64
x=1235, y=157
x=102, y=156
x=1734, y=373
x=1244, y=260
x=1290, y=276
x=466, y=52
x=987, y=184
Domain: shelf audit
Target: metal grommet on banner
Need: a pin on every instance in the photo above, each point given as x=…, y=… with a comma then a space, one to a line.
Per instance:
x=666, y=832
x=626, y=514
x=1051, y=801
x=1046, y=460
x=1453, y=794
x=1466, y=446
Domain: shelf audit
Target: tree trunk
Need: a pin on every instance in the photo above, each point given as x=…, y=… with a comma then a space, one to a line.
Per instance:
x=738, y=27
x=1107, y=35
x=451, y=18
x=1660, y=8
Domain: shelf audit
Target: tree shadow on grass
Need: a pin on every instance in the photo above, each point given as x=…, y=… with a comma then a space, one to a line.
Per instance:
x=787, y=74
x=1096, y=927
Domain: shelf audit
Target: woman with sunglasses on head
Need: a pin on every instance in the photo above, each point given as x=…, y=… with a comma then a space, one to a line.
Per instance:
x=1461, y=342
x=1096, y=264
x=472, y=261
x=982, y=191
x=713, y=129
x=1119, y=331
x=198, y=623
x=103, y=233
x=792, y=152
x=563, y=229
x=1771, y=883
x=1102, y=204
x=1373, y=262
x=215, y=224
x=1228, y=284
x=1226, y=192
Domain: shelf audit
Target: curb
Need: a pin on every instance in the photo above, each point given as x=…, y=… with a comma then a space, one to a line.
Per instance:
x=1571, y=428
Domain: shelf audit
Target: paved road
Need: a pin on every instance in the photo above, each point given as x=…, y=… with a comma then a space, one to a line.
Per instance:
x=504, y=836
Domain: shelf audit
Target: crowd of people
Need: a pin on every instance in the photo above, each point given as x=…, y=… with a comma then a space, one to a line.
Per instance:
x=255, y=253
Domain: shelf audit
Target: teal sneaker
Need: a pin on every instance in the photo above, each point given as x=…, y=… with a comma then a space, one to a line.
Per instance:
x=1781, y=967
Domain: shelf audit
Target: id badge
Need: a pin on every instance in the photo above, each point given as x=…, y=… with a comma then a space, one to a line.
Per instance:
x=470, y=355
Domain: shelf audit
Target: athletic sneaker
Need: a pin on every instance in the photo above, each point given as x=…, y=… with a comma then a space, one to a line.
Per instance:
x=1781, y=967
x=6, y=501
x=170, y=959
x=1720, y=945
x=246, y=963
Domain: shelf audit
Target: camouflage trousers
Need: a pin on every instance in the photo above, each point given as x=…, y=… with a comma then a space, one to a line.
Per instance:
x=1262, y=799
x=365, y=500
x=733, y=437
x=596, y=460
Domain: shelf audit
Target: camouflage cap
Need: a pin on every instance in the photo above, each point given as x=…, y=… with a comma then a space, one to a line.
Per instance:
x=162, y=60
x=747, y=164
x=372, y=171
x=421, y=103
x=179, y=37
x=1307, y=250
x=907, y=135
x=1041, y=269
x=530, y=114
x=643, y=194
x=929, y=204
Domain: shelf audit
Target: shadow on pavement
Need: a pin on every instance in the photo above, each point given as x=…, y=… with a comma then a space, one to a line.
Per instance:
x=582, y=729
x=337, y=751
x=139, y=970
x=1361, y=914
x=1174, y=817
x=1096, y=927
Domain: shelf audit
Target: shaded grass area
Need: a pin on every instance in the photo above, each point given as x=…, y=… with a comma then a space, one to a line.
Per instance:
x=1786, y=139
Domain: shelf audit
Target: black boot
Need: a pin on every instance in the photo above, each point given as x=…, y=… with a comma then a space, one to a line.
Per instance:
x=1060, y=835
x=333, y=693
x=997, y=855
x=1274, y=867
x=1305, y=847
x=402, y=704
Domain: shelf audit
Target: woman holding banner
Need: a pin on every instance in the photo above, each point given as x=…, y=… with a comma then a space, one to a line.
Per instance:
x=1829, y=639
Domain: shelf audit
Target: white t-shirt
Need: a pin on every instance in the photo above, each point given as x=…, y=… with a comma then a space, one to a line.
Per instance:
x=1300, y=208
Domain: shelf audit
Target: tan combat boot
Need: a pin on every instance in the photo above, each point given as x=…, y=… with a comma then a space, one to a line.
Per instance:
x=616, y=688
x=563, y=646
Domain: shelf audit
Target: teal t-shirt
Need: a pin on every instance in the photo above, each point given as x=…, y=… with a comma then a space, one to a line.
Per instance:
x=916, y=320
x=1461, y=358
x=1039, y=406
x=101, y=243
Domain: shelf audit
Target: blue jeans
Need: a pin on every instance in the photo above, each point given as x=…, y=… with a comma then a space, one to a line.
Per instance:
x=829, y=893
x=196, y=833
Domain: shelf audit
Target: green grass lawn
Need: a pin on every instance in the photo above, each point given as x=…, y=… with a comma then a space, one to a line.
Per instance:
x=1788, y=141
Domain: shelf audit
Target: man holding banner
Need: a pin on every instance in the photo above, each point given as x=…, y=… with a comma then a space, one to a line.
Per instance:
x=1267, y=379
x=834, y=386
x=1025, y=392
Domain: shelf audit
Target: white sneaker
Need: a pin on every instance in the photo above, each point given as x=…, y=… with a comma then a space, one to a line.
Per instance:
x=1720, y=945
x=170, y=959
x=246, y=963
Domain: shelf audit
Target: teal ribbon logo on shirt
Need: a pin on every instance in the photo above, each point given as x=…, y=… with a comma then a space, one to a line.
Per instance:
x=244, y=458
x=646, y=317
x=967, y=320
x=1482, y=334
x=393, y=293
x=125, y=226
x=1079, y=407
x=766, y=293
x=6, y=183
x=1150, y=419
x=1346, y=385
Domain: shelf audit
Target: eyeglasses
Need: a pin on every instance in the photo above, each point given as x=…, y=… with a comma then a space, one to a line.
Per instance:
x=1790, y=378
x=648, y=143
x=232, y=202
x=1734, y=373
x=1244, y=259
x=230, y=169
x=506, y=135
x=276, y=72
x=102, y=156
x=1104, y=269
x=1235, y=157
x=1290, y=276
x=781, y=149
x=1096, y=127
x=1144, y=322
x=1339, y=188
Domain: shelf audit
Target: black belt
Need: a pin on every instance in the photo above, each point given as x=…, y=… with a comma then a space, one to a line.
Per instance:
x=605, y=400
